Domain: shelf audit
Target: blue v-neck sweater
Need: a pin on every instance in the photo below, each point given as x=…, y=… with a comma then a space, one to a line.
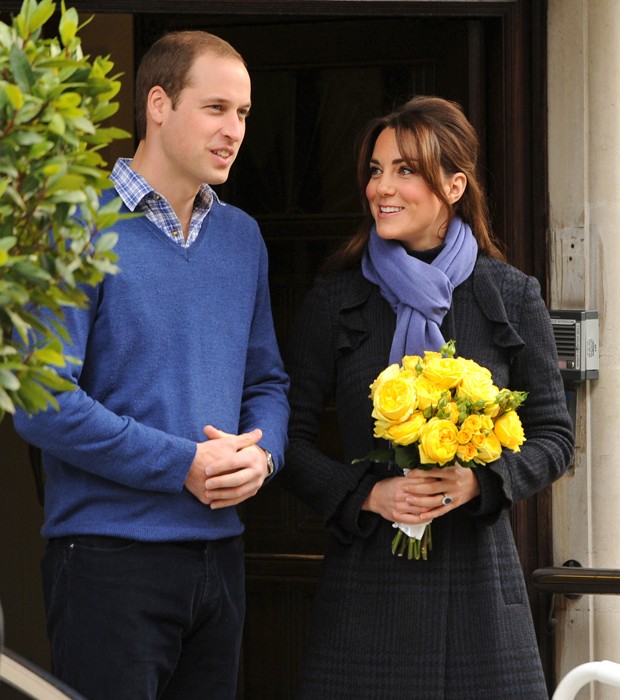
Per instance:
x=178, y=339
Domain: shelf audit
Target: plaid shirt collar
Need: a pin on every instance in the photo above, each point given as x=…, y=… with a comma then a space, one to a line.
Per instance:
x=138, y=195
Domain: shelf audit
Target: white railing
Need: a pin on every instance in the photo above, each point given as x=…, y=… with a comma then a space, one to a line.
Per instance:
x=603, y=671
x=31, y=680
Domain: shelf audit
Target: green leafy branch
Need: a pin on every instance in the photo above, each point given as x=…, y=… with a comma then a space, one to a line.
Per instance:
x=53, y=100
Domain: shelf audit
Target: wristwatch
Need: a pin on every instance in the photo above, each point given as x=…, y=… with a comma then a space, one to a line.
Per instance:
x=271, y=467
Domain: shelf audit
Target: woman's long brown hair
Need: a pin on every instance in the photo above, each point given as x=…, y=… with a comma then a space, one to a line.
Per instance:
x=444, y=143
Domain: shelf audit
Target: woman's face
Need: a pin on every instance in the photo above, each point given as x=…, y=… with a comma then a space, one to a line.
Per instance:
x=402, y=204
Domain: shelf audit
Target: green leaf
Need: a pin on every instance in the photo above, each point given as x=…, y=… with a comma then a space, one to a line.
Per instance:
x=6, y=405
x=51, y=162
x=20, y=325
x=14, y=95
x=50, y=379
x=29, y=111
x=104, y=111
x=110, y=134
x=72, y=197
x=27, y=138
x=380, y=455
x=66, y=182
x=406, y=457
x=6, y=36
x=68, y=25
x=21, y=69
x=112, y=206
x=44, y=10
x=35, y=397
x=8, y=380
x=7, y=242
x=47, y=355
x=106, y=241
x=57, y=124
x=38, y=150
x=83, y=124
x=68, y=101
x=31, y=271
x=105, y=267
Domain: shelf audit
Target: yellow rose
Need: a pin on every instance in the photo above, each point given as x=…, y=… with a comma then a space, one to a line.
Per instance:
x=438, y=442
x=388, y=373
x=381, y=428
x=477, y=385
x=451, y=412
x=445, y=372
x=472, y=424
x=407, y=432
x=469, y=430
x=464, y=436
x=412, y=363
x=489, y=449
x=466, y=452
x=509, y=431
x=472, y=367
x=486, y=422
x=477, y=439
x=394, y=399
x=492, y=410
x=428, y=393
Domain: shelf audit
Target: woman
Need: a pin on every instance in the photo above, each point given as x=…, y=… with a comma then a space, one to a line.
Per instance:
x=422, y=269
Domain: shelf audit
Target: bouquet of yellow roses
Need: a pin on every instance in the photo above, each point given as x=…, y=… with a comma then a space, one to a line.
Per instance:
x=435, y=411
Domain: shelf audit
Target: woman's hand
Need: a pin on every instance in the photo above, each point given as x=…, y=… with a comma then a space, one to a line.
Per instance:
x=391, y=498
x=437, y=491
x=422, y=495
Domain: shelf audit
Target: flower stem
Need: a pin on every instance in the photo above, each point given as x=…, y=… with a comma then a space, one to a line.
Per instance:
x=397, y=540
x=427, y=542
x=416, y=549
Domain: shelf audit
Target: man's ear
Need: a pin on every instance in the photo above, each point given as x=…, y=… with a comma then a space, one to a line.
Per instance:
x=156, y=103
x=455, y=187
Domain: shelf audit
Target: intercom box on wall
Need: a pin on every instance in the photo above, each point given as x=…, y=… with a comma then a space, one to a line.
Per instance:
x=576, y=340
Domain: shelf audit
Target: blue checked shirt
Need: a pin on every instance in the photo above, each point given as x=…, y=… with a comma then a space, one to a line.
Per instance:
x=138, y=195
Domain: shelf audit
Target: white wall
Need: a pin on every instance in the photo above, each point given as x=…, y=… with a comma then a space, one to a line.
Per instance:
x=584, y=198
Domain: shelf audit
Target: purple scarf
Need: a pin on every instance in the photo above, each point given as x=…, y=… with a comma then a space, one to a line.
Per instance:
x=421, y=294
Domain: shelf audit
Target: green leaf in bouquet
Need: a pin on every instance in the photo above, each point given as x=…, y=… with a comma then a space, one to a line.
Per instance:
x=407, y=457
x=379, y=455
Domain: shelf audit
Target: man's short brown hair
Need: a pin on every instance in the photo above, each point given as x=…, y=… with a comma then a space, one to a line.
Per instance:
x=167, y=64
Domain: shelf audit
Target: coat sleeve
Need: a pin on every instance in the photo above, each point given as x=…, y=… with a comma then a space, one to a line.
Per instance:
x=548, y=449
x=334, y=489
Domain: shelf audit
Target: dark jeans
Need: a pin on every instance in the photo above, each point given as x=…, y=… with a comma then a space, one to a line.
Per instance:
x=144, y=621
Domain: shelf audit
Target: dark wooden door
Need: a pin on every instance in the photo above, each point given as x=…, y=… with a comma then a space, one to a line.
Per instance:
x=315, y=83
x=316, y=79
x=320, y=69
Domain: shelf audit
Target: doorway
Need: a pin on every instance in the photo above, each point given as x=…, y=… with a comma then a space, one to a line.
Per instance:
x=316, y=79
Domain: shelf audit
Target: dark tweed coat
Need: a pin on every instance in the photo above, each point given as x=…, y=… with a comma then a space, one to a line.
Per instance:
x=457, y=626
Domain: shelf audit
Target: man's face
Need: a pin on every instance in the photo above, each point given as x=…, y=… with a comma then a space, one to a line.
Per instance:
x=201, y=135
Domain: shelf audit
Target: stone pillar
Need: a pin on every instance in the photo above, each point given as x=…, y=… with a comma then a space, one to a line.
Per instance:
x=584, y=196
x=604, y=196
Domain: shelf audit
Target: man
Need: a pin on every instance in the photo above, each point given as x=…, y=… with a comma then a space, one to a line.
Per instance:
x=143, y=573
